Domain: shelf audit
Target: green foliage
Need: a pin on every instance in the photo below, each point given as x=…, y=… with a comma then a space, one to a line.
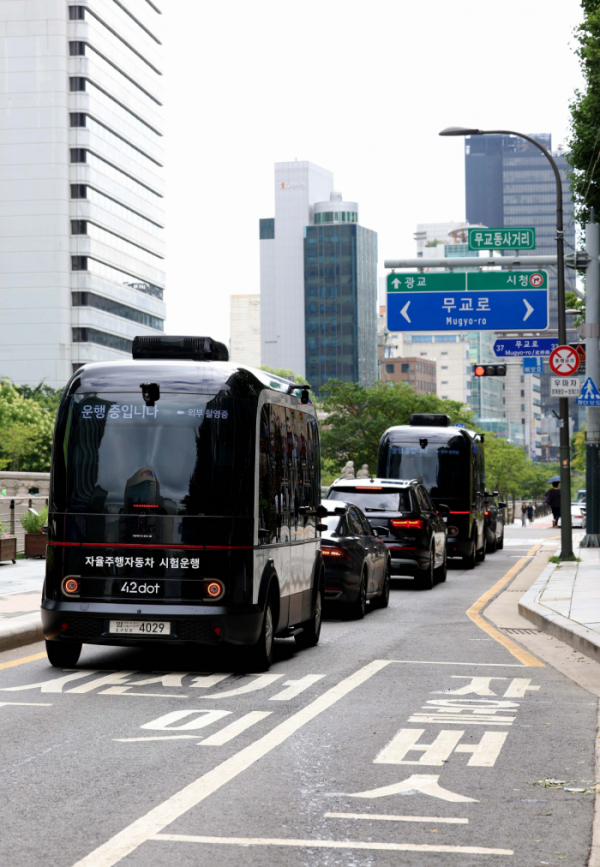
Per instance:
x=34, y=523
x=584, y=143
x=284, y=373
x=578, y=451
x=574, y=302
x=3, y=529
x=509, y=471
x=359, y=416
x=26, y=427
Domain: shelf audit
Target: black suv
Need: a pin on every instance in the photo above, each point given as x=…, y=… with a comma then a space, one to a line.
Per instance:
x=403, y=516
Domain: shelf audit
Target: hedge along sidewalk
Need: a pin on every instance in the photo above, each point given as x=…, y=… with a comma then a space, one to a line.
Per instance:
x=565, y=602
x=20, y=597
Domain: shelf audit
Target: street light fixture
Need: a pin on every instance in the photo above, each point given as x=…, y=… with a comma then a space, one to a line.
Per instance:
x=566, y=535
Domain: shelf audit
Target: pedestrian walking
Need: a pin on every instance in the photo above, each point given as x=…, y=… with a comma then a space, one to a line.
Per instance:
x=553, y=500
x=530, y=513
x=523, y=515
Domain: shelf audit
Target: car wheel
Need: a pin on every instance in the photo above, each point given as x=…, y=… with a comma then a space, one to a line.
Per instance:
x=358, y=609
x=469, y=559
x=481, y=552
x=261, y=653
x=311, y=630
x=491, y=546
x=441, y=573
x=382, y=601
x=63, y=655
x=500, y=542
x=426, y=579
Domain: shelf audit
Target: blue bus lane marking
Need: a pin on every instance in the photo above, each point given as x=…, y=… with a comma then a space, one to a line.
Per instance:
x=482, y=701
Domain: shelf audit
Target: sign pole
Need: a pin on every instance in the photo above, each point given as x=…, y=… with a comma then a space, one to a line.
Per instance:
x=592, y=413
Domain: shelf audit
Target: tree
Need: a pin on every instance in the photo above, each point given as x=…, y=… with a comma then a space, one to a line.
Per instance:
x=578, y=451
x=25, y=430
x=584, y=142
x=285, y=374
x=358, y=417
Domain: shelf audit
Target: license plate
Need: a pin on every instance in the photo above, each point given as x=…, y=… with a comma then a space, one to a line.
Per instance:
x=140, y=627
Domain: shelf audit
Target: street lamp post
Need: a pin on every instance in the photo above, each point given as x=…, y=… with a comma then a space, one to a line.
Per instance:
x=566, y=535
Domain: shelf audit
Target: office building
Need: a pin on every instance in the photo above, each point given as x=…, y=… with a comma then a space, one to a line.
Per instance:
x=318, y=281
x=419, y=373
x=340, y=276
x=298, y=187
x=509, y=182
x=245, y=330
x=82, y=266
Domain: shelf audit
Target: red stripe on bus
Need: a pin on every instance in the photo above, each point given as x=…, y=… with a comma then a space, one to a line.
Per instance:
x=461, y=513
x=161, y=547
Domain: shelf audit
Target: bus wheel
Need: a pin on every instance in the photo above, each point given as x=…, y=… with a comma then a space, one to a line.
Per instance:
x=261, y=653
x=63, y=655
x=311, y=630
x=469, y=559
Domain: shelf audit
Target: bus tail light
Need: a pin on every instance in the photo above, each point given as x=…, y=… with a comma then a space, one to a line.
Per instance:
x=453, y=531
x=70, y=586
x=408, y=524
x=214, y=589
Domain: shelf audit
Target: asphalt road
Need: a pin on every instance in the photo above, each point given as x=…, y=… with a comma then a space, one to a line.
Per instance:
x=411, y=737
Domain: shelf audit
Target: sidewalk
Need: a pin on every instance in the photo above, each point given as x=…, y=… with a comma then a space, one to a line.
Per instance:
x=20, y=592
x=565, y=600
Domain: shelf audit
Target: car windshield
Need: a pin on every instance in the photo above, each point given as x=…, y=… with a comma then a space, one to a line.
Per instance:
x=373, y=500
x=443, y=466
x=187, y=455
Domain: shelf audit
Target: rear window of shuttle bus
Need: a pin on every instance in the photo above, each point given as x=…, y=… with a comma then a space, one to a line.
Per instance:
x=443, y=466
x=187, y=455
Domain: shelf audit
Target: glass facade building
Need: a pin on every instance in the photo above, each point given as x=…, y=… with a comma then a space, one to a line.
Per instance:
x=340, y=277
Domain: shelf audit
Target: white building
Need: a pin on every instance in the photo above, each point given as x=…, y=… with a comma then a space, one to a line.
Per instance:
x=81, y=156
x=298, y=187
x=245, y=330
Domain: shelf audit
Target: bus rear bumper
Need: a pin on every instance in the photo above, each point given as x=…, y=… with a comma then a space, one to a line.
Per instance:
x=197, y=624
x=459, y=547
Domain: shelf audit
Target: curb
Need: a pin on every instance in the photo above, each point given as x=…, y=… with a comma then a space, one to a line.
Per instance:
x=574, y=634
x=15, y=632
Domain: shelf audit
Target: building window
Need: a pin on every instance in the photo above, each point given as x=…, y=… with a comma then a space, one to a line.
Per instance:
x=522, y=379
x=77, y=119
x=404, y=368
x=412, y=367
x=78, y=155
x=78, y=227
x=101, y=338
x=267, y=229
x=522, y=393
x=444, y=353
x=78, y=191
x=76, y=13
x=77, y=49
x=76, y=84
x=412, y=376
x=522, y=421
x=389, y=368
x=90, y=299
x=444, y=382
x=522, y=407
x=79, y=263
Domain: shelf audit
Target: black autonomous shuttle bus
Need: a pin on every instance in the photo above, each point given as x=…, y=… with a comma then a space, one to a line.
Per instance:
x=450, y=462
x=183, y=505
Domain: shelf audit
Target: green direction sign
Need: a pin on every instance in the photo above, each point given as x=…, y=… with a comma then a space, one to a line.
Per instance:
x=490, y=281
x=444, y=281
x=502, y=239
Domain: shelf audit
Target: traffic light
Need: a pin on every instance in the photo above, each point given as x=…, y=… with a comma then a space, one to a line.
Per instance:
x=489, y=370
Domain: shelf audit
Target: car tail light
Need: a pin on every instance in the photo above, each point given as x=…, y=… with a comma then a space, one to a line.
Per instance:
x=335, y=553
x=487, y=514
x=453, y=531
x=214, y=589
x=408, y=524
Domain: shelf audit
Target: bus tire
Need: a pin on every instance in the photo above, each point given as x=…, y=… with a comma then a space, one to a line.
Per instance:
x=63, y=654
x=261, y=653
x=311, y=630
x=469, y=559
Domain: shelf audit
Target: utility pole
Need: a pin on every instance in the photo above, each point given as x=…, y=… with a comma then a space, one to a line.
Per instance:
x=591, y=331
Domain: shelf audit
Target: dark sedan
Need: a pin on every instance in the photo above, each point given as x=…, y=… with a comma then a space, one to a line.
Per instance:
x=357, y=564
x=494, y=523
x=405, y=518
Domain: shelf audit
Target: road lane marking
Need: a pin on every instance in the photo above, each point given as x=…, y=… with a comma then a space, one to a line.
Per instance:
x=426, y=784
x=25, y=704
x=127, y=841
x=522, y=655
x=471, y=664
x=54, y=685
x=260, y=682
x=205, y=718
x=22, y=660
x=124, y=690
x=376, y=817
x=484, y=754
x=295, y=687
x=330, y=844
x=235, y=728
x=157, y=738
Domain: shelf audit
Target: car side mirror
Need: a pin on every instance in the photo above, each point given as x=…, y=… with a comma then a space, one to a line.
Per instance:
x=444, y=512
x=494, y=493
x=380, y=531
x=321, y=527
x=503, y=505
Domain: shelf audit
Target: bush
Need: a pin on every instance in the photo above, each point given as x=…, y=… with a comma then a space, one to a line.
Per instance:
x=34, y=523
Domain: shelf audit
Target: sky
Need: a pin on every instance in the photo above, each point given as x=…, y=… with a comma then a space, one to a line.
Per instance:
x=360, y=88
